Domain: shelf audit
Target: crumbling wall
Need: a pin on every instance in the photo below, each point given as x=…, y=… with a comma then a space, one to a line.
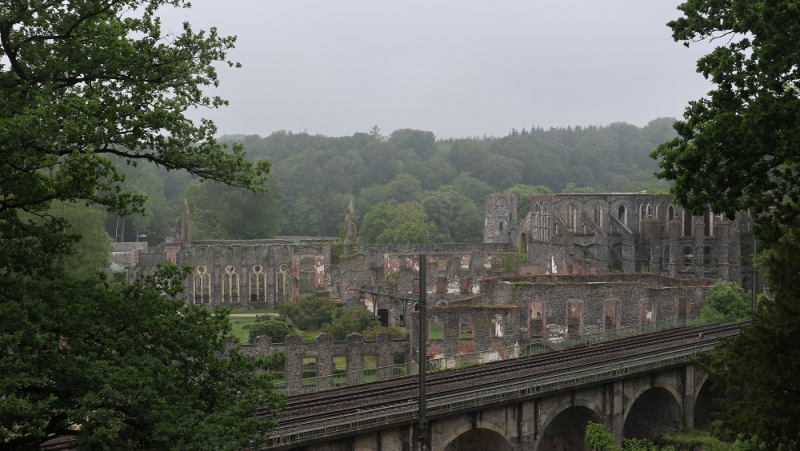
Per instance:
x=630, y=299
x=325, y=348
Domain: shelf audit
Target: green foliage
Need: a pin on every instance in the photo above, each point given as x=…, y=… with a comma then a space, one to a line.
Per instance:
x=271, y=327
x=87, y=86
x=737, y=151
x=691, y=439
x=725, y=302
x=638, y=444
x=397, y=333
x=453, y=217
x=573, y=188
x=318, y=175
x=124, y=366
x=91, y=251
x=597, y=438
x=737, y=146
x=309, y=312
x=758, y=370
x=224, y=212
x=395, y=224
x=352, y=320
x=524, y=193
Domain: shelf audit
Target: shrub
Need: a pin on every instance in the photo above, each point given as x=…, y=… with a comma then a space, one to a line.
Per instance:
x=352, y=320
x=725, y=302
x=598, y=438
x=309, y=312
x=274, y=328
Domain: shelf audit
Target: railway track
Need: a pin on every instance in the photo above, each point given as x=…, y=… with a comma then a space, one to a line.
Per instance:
x=310, y=408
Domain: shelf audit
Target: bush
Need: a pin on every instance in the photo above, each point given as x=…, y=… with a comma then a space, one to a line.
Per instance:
x=310, y=312
x=725, y=302
x=274, y=328
x=352, y=320
x=598, y=438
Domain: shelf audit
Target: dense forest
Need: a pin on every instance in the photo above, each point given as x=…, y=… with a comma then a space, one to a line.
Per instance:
x=408, y=186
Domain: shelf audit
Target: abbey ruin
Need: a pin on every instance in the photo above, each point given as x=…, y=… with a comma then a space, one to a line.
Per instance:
x=576, y=264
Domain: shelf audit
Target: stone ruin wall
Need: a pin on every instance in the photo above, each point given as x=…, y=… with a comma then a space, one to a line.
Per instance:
x=253, y=274
x=323, y=350
x=505, y=315
x=594, y=304
x=623, y=232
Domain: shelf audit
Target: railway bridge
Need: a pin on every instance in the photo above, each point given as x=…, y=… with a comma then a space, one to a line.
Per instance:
x=636, y=387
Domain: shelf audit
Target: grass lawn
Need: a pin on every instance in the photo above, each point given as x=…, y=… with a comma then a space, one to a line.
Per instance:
x=241, y=324
x=241, y=327
x=435, y=332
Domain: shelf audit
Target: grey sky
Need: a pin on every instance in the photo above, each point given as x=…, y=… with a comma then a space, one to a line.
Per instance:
x=456, y=67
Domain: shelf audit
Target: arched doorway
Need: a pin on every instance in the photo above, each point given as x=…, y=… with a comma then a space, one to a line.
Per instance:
x=653, y=413
x=479, y=439
x=567, y=430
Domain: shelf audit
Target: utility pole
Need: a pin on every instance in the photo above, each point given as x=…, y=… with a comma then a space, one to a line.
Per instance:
x=422, y=427
x=422, y=359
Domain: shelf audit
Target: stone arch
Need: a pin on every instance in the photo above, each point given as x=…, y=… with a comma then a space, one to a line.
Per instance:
x=463, y=438
x=572, y=217
x=523, y=244
x=258, y=284
x=566, y=429
x=652, y=411
x=597, y=211
x=622, y=214
x=201, y=285
x=230, y=284
x=687, y=222
x=705, y=405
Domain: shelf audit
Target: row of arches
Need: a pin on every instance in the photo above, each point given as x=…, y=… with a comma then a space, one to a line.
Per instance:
x=656, y=410
x=230, y=285
x=621, y=213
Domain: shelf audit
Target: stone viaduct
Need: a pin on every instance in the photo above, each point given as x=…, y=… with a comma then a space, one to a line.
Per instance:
x=638, y=403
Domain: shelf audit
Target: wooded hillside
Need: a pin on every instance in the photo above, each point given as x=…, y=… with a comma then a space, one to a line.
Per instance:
x=408, y=186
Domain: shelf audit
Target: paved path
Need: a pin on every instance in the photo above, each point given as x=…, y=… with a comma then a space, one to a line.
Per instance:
x=252, y=315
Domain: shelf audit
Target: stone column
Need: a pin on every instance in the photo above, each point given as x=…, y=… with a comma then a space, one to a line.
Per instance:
x=688, y=396
x=618, y=416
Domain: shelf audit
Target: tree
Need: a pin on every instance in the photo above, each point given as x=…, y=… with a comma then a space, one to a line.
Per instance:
x=271, y=327
x=352, y=320
x=737, y=149
x=396, y=224
x=117, y=367
x=725, y=302
x=311, y=312
x=92, y=251
x=219, y=211
x=597, y=438
x=524, y=193
x=573, y=188
x=123, y=367
x=758, y=370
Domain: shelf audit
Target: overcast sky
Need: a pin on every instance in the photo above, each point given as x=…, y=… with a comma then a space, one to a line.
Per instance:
x=458, y=68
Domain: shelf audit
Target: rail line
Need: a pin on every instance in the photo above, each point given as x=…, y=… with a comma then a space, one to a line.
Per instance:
x=340, y=410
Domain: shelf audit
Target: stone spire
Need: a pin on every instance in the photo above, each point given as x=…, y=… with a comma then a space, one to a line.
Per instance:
x=351, y=236
x=185, y=236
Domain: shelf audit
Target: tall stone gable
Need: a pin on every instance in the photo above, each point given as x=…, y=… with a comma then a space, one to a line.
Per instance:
x=500, y=225
x=617, y=232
